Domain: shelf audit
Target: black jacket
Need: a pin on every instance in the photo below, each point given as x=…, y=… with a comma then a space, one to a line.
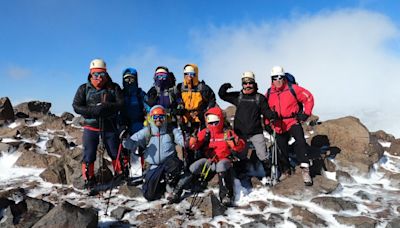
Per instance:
x=248, y=121
x=99, y=107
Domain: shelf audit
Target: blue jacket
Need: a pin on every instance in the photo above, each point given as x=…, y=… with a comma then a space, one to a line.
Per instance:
x=158, y=143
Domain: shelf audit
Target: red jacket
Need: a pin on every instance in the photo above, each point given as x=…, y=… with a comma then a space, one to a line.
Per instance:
x=282, y=101
x=221, y=142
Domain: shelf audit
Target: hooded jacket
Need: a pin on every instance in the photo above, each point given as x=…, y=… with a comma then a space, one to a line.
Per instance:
x=218, y=146
x=282, y=101
x=157, y=142
x=135, y=108
x=199, y=98
x=110, y=97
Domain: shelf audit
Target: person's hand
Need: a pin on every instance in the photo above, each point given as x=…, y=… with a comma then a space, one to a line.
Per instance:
x=302, y=117
x=268, y=129
x=226, y=86
x=192, y=142
x=271, y=115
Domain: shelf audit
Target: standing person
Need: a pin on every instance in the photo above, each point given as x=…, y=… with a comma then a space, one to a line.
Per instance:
x=284, y=99
x=197, y=97
x=250, y=105
x=163, y=165
x=133, y=114
x=163, y=91
x=98, y=100
x=135, y=108
x=216, y=145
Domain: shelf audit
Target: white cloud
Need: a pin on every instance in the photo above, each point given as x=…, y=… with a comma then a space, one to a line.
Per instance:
x=18, y=72
x=343, y=57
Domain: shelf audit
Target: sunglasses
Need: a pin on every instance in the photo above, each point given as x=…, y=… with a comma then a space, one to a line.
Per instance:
x=159, y=117
x=99, y=74
x=278, y=77
x=190, y=74
x=213, y=123
x=248, y=83
x=161, y=76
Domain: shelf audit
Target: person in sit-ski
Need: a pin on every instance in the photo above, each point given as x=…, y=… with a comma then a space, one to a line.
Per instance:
x=163, y=166
x=284, y=99
x=251, y=110
x=216, y=145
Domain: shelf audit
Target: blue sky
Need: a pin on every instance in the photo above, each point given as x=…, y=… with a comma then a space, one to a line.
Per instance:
x=46, y=47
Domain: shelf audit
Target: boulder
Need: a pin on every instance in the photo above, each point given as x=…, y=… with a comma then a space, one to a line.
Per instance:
x=395, y=180
x=4, y=147
x=307, y=218
x=293, y=187
x=119, y=212
x=394, y=223
x=67, y=116
x=358, y=150
x=58, y=145
x=335, y=203
x=356, y=221
x=32, y=159
x=130, y=191
x=68, y=215
x=52, y=123
x=394, y=148
x=6, y=109
x=344, y=177
x=210, y=205
x=383, y=136
x=30, y=133
x=75, y=133
x=157, y=217
x=34, y=108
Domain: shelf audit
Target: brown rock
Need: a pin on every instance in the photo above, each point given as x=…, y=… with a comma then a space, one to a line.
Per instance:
x=34, y=108
x=330, y=166
x=259, y=204
x=6, y=109
x=67, y=116
x=280, y=204
x=30, y=133
x=358, y=150
x=335, y=204
x=357, y=221
x=344, y=177
x=156, y=217
x=306, y=217
x=129, y=191
x=33, y=159
x=394, y=148
x=382, y=135
x=395, y=180
x=293, y=187
x=58, y=145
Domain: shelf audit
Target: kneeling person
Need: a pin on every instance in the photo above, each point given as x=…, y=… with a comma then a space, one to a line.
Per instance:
x=163, y=164
x=216, y=145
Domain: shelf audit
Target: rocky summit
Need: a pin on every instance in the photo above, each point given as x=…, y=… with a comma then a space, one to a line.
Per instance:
x=356, y=181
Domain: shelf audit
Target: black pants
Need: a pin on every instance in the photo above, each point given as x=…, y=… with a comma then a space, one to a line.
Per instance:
x=296, y=131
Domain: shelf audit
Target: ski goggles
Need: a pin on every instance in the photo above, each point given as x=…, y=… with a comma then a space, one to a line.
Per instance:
x=161, y=76
x=213, y=123
x=277, y=77
x=99, y=74
x=190, y=74
x=158, y=117
x=130, y=79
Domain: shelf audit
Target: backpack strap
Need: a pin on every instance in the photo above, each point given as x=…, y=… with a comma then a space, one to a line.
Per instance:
x=257, y=99
x=295, y=96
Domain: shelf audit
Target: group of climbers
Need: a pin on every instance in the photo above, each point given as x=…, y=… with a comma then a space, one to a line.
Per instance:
x=181, y=133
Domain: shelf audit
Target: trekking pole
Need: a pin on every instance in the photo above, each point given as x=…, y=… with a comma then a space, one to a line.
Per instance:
x=203, y=177
x=102, y=148
x=274, y=172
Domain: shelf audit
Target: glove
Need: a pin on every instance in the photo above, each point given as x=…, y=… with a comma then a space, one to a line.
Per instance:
x=192, y=142
x=271, y=115
x=226, y=86
x=124, y=133
x=302, y=117
x=207, y=136
x=268, y=129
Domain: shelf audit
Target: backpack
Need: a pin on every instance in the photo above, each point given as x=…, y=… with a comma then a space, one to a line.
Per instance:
x=149, y=134
x=256, y=99
x=290, y=80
